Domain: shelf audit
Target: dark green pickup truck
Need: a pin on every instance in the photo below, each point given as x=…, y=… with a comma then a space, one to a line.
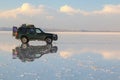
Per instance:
x=27, y=33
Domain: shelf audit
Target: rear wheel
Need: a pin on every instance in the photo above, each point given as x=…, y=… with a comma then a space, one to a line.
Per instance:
x=48, y=40
x=24, y=40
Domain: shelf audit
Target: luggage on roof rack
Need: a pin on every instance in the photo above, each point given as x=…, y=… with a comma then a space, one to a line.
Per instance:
x=23, y=25
x=28, y=26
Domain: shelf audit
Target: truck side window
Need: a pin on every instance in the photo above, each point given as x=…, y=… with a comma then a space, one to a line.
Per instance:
x=31, y=31
x=38, y=31
x=22, y=30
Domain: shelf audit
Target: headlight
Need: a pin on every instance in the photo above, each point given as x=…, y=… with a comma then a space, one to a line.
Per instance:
x=54, y=35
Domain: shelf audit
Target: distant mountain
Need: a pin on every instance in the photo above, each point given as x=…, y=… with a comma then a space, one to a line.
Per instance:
x=47, y=30
x=61, y=30
x=5, y=29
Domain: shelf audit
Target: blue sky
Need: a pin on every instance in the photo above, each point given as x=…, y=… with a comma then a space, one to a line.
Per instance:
x=83, y=4
x=79, y=14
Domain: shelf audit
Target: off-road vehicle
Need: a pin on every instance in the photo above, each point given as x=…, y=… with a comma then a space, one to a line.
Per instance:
x=27, y=33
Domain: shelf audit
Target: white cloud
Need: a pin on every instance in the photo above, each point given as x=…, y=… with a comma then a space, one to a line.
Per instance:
x=71, y=11
x=46, y=16
x=7, y=47
x=106, y=54
x=107, y=9
x=30, y=10
x=65, y=54
x=68, y=10
x=26, y=9
x=111, y=55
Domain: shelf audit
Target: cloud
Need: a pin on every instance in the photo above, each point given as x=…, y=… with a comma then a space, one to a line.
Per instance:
x=53, y=18
x=26, y=9
x=68, y=10
x=65, y=54
x=111, y=55
x=7, y=47
x=107, y=9
x=71, y=11
x=107, y=54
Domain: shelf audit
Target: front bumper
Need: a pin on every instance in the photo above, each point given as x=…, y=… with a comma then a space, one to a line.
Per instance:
x=55, y=37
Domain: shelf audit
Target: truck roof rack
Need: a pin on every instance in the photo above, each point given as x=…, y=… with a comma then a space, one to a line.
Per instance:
x=28, y=26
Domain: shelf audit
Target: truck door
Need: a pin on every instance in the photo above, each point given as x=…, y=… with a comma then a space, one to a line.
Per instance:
x=39, y=34
x=31, y=34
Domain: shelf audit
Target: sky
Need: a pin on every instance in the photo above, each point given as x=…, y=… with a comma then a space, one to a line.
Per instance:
x=62, y=14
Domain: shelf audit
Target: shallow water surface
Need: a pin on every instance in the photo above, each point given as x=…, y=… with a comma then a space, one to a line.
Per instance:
x=75, y=56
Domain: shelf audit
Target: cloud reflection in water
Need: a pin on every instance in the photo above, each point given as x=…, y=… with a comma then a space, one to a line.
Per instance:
x=107, y=54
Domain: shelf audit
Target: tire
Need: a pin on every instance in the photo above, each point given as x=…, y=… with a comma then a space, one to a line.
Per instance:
x=48, y=40
x=24, y=46
x=24, y=40
x=54, y=49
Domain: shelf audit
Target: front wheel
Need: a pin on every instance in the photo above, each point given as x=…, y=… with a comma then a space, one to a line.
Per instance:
x=24, y=40
x=48, y=40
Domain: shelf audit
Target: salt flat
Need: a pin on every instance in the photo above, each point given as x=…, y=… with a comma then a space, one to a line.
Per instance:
x=78, y=56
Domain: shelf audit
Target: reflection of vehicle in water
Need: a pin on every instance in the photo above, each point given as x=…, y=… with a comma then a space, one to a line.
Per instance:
x=27, y=52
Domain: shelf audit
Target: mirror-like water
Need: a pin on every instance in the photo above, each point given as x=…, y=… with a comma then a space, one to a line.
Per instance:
x=75, y=56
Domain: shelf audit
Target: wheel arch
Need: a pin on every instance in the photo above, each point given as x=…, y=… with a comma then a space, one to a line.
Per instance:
x=48, y=40
x=48, y=37
x=23, y=36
